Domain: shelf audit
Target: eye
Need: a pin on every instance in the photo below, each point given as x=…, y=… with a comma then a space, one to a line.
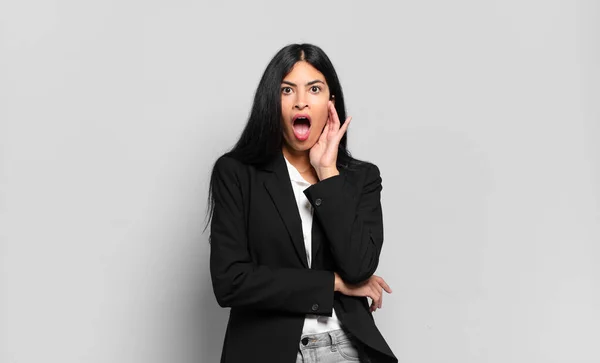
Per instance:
x=315, y=89
x=286, y=90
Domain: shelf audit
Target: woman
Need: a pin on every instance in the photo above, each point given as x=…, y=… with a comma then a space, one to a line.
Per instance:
x=296, y=227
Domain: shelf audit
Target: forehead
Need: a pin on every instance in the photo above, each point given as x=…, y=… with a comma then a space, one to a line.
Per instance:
x=303, y=71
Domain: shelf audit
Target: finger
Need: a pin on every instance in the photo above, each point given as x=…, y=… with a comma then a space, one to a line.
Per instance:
x=376, y=291
x=334, y=116
x=377, y=303
x=385, y=286
x=330, y=122
x=380, y=294
x=373, y=306
x=344, y=127
x=324, y=134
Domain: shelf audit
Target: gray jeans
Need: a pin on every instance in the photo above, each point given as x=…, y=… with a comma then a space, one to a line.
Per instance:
x=335, y=346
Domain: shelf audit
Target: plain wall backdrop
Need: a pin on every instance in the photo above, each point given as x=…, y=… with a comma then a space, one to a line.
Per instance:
x=483, y=117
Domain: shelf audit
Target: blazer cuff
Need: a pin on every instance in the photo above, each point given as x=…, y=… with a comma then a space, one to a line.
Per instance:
x=334, y=192
x=321, y=301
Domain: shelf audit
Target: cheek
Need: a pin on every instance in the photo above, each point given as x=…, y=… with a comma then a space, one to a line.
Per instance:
x=286, y=114
x=320, y=114
x=286, y=105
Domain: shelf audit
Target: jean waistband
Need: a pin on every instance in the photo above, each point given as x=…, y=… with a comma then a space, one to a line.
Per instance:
x=324, y=339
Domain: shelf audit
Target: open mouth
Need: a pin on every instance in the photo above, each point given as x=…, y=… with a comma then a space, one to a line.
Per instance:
x=301, y=126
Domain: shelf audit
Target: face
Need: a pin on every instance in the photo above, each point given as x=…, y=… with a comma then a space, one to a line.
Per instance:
x=304, y=98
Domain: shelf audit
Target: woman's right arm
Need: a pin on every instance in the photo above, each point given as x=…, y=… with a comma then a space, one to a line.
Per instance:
x=237, y=280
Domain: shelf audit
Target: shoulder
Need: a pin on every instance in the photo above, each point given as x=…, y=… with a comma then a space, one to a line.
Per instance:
x=228, y=169
x=372, y=177
x=363, y=175
x=227, y=163
x=362, y=168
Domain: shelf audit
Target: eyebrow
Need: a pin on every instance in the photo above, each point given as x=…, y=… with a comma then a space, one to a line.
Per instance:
x=308, y=84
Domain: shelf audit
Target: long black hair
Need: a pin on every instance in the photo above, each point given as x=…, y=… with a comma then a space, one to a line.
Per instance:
x=262, y=137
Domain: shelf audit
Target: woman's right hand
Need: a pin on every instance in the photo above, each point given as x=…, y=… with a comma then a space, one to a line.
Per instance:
x=373, y=288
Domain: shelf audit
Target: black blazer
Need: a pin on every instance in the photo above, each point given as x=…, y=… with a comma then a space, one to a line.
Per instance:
x=258, y=261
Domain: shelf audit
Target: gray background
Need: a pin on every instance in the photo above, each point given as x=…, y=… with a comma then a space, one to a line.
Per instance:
x=482, y=115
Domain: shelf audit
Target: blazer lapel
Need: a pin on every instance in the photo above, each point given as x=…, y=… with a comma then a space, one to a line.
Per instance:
x=279, y=187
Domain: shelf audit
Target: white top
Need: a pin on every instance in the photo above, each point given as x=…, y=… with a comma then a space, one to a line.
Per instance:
x=312, y=323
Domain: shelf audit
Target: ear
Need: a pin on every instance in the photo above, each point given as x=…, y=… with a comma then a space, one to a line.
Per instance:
x=332, y=99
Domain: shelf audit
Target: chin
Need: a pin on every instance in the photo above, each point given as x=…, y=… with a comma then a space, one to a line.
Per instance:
x=300, y=145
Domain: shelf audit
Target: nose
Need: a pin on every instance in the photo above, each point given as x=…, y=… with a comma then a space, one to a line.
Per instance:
x=300, y=103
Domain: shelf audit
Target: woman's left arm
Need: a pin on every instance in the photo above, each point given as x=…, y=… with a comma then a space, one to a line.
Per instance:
x=352, y=219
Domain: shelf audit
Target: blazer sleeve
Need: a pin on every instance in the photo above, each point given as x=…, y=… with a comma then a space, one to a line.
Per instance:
x=352, y=221
x=237, y=280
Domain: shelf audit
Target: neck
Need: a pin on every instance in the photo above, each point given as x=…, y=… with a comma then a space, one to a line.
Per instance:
x=299, y=159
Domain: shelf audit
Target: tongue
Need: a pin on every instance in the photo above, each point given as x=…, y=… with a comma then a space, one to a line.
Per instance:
x=301, y=131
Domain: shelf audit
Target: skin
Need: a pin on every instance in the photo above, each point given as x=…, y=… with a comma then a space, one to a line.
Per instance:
x=305, y=91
